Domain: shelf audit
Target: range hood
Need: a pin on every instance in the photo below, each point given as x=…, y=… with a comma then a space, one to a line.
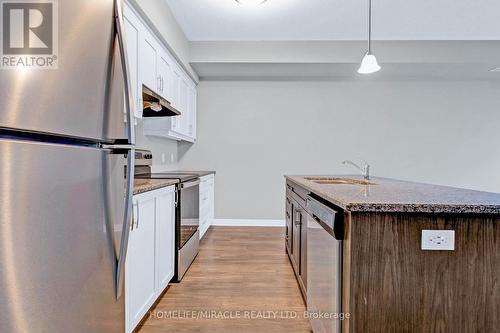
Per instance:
x=156, y=106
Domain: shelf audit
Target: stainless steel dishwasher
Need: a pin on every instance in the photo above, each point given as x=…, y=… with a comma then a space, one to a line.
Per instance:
x=324, y=266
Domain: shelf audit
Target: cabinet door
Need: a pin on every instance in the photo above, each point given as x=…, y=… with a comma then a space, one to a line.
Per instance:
x=165, y=243
x=212, y=201
x=303, y=249
x=289, y=225
x=192, y=95
x=165, y=77
x=132, y=33
x=140, y=264
x=148, y=53
x=185, y=116
x=296, y=237
x=176, y=87
x=206, y=203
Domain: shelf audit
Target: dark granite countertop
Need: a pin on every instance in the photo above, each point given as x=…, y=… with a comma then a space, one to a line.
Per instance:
x=198, y=173
x=146, y=185
x=390, y=195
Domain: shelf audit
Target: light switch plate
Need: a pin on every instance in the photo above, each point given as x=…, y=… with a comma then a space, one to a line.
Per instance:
x=438, y=240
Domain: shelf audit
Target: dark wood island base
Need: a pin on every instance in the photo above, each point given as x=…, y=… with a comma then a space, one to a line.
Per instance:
x=389, y=284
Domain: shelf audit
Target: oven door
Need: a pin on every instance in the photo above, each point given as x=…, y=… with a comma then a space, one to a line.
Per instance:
x=190, y=210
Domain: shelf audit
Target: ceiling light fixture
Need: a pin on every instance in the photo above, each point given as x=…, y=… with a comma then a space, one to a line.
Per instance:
x=369, y=63
x=495, y=70
x=251, y=2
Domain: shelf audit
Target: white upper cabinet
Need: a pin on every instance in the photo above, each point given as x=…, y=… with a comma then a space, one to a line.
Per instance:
x=176, y=88
x=185, y=117
x=183, y=98
x=148, y=55
x=154, y=66
x=165, y=76
x=192, y=107
x=132, y=30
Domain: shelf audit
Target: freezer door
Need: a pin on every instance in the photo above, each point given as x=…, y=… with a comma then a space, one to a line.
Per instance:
x=61, y=208
x=85, y=96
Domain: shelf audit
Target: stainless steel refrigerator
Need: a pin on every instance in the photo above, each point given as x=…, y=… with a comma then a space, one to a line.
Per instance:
x=66, y=179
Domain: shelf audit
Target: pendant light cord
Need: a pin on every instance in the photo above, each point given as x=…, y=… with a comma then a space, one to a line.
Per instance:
x=369, y=26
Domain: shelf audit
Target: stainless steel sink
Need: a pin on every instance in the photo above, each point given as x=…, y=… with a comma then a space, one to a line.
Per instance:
x=339, y=181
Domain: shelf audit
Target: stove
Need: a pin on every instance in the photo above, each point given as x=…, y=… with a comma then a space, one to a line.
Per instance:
x=187, y=210
x=166, y=175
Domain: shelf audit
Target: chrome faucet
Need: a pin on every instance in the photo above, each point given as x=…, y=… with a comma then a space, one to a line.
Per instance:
x=365, y=170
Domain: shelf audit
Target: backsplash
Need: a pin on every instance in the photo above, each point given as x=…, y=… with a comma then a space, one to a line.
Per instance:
x=165, y=155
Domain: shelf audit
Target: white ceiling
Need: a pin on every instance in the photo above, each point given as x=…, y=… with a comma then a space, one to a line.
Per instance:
x=204, y=20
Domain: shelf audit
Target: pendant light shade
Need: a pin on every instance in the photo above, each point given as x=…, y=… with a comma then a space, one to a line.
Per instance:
x=369, y=64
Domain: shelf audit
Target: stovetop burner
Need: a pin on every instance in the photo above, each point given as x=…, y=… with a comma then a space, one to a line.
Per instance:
x=143, y=163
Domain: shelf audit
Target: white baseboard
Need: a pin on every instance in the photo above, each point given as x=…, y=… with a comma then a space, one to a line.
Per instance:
x=248, y=223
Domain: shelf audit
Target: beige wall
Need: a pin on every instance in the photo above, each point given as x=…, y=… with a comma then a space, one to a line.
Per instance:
x=254, y=132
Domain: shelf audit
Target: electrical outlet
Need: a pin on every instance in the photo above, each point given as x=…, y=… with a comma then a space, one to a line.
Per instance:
x=438, y=240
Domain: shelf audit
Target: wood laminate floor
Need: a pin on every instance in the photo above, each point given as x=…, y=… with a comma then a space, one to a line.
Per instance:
x=241, y=281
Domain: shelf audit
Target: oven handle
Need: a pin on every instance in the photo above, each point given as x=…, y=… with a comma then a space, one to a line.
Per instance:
x=191, y=184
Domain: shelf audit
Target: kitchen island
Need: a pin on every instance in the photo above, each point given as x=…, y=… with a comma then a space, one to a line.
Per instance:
x=394, y=276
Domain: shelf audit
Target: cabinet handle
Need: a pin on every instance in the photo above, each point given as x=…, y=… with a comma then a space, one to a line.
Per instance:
x=298, y=216
x=135, y=212
x=137, y=220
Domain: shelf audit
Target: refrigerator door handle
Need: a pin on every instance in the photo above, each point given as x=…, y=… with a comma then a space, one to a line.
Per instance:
x=127, y=218
x=126, y=72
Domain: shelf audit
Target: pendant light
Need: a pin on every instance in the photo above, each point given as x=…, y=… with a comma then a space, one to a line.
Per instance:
x=369, y=63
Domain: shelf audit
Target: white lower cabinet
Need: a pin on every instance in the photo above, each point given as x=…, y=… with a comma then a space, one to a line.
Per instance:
x=165, y=238
x=207, y=203
x=150, y=255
